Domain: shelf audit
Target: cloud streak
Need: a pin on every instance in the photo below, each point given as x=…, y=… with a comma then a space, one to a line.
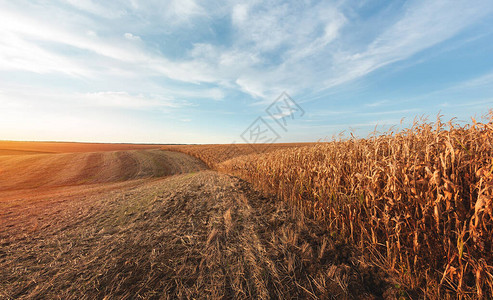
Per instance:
x=220, y=56
x=275, y=46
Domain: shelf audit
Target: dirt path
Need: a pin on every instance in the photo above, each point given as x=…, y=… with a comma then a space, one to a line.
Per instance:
x=195, y=235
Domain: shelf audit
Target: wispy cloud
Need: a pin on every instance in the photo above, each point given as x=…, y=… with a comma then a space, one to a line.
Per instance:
x=479, y=81
x=46, y=99
x=124, y=100
x=423, y=24
x=131, y=37
x=167, y=55
x=275, y=46
x=377, y=103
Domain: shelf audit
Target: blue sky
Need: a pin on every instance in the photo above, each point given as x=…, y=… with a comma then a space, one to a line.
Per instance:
x=187, y=71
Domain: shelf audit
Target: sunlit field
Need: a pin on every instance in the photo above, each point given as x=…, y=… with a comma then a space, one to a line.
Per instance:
x=398, y=214
x=282, y=149
x=416, y=203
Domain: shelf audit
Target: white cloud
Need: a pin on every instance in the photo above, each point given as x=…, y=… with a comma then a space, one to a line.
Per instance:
x=304, y=41
x=131, y=37
x=123, y=100
x=89, y=55
x=91, y=33
x=378, y=103
x=43, y=98
x=96, y=8
x=239, y=14
x=216, y=94
x=251, y=87
x=19, y=54
x=185, y=9
x=482, y=80
x=275, y=46
x=27, y=33
x=422, y=25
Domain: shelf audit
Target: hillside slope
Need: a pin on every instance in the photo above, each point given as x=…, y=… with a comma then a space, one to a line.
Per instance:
x=19, y=172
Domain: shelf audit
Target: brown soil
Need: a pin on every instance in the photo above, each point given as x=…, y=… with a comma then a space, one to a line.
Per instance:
x=20, y=172
x=106, y=226
x=23, y=148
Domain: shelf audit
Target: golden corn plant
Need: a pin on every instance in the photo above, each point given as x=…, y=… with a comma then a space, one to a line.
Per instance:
x=418, y=203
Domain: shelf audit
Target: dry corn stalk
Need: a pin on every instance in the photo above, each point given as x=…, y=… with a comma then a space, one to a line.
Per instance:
x=421, y=200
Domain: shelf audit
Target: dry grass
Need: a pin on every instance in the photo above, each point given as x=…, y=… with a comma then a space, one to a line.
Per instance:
x=418, y=203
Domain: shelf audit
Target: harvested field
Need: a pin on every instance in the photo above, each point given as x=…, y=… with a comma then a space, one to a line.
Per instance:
x=22, y=148
x=19, y=152
x=37, y=187
x=196, y=235
x=20, y=172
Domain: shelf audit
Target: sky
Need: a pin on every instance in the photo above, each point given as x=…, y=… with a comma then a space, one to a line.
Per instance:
x=187, y=71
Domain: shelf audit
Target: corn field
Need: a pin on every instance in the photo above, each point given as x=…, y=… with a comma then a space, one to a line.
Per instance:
x=213, y=155
x=417, y=203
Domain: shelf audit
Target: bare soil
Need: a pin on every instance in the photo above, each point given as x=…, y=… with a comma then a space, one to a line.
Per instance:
x=22, y=148
x=154, y=224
